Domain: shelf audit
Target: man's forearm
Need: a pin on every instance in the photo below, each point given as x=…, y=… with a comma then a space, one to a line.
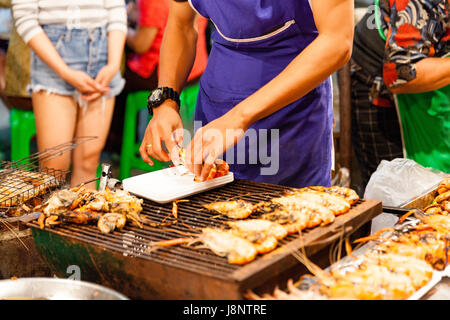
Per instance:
x=313, y=66
x=177, y=55
x=326, y=54
x=431, y=74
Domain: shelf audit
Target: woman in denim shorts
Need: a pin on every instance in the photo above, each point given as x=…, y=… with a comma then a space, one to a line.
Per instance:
x=75, y=75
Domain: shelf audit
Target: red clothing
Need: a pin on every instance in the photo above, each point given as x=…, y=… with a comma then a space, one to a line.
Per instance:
x=154, y=13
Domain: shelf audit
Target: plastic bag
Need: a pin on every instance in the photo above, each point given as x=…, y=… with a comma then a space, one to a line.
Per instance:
x=397, y=182
x=401, y=180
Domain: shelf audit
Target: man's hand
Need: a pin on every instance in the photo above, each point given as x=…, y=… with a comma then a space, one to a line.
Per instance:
x=166, y=120
x=211, y=141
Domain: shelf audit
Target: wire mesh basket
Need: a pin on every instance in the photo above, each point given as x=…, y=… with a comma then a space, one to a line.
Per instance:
x=28, y=179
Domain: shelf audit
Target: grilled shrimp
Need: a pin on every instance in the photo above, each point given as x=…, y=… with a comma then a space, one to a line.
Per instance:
x=110, y=221
x=435, y=208
x=219, y=169
x=262, y=233
x=59, y=201
x=444, y=186
x=293, y=293
x=347, y=194
x=443, y=197
x=336, y=204
x=316, y=212
x=79, y=205
x=292, y=221
x=221, y=242
x=259, y=226
x=232, y=209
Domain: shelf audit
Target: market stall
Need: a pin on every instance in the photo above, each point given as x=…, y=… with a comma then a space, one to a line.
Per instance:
x=162, y=251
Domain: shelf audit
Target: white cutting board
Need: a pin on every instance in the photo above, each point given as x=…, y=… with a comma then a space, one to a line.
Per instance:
x=167, y=185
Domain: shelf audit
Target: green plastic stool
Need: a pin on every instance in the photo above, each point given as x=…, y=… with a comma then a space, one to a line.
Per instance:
x=22, y=131
x=130, y=157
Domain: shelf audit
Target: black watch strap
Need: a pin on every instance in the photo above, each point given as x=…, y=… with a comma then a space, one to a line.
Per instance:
x=172, y=95
x=159, y=95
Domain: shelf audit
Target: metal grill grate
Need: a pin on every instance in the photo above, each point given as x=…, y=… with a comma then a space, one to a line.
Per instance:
x=134, y=241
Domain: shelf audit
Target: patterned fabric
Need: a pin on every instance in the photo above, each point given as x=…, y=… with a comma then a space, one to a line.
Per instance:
x=415, y=29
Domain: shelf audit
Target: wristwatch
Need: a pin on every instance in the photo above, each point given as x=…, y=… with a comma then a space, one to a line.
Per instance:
x=159, y=95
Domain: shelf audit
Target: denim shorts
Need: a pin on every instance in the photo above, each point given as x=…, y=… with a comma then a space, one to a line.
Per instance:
x=81, y=49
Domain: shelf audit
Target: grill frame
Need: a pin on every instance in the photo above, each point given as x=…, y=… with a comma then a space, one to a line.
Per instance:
x=210, y=271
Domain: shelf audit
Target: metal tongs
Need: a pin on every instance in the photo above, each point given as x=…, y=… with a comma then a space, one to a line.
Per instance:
x=409, y=223
x=106, y=179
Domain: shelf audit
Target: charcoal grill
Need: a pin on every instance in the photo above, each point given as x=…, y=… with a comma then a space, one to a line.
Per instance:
x=121, y=260
x=21, y=189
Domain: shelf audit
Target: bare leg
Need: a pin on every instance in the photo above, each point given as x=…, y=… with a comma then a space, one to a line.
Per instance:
x=55, y=124
x=94, y=121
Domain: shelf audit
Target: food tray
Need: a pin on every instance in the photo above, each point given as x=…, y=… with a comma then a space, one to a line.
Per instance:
x=435, y=279
x=419, y=202
x=169, y=184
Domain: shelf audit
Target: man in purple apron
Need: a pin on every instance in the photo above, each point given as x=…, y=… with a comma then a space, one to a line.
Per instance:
x=267, y=75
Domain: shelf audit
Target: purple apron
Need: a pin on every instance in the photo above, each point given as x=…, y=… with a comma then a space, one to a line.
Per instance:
x=253, y=42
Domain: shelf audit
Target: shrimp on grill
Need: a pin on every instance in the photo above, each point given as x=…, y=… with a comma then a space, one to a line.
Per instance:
x=110, y=221
x=78, y=217
x=221, y=242
x=81, y=206
x=262, y=233
x=347, y=194
x=232, y=209
x=336, y=204
x=294, y=213
x=292, y=221
x=316, y=212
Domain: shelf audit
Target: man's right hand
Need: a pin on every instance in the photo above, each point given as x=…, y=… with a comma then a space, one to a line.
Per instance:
x=166, y=120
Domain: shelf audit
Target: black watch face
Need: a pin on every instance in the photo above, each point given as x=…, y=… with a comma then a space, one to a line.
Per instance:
x=156, y=96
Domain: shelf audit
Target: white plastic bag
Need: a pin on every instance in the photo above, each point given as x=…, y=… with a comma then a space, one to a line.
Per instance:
x=397, y=182
x=401, y=180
